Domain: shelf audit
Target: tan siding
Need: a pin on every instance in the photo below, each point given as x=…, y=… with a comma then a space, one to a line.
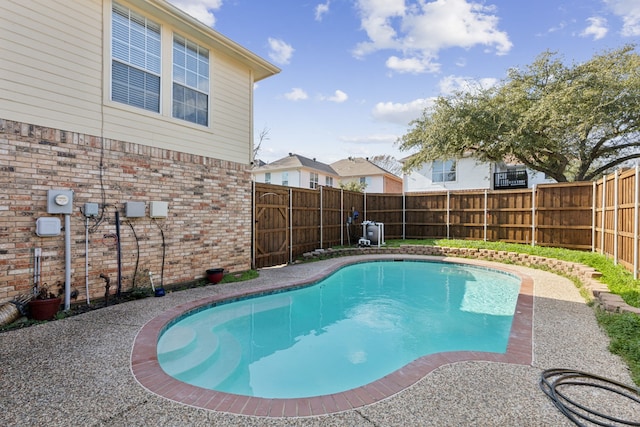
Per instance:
x=51, y=62
x=55, y=72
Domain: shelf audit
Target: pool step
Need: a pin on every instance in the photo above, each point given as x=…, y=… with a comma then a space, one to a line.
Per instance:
x=218, y=368
x=187, y=349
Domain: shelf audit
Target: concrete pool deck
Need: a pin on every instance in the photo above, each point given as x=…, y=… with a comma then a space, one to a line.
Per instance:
x=78, y=371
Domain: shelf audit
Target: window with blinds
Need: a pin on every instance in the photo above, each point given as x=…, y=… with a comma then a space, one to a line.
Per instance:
x=135, y=59
x=190, y=81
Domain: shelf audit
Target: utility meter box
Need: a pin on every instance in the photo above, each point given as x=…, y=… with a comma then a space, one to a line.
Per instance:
x=60, y=201
x=135, y=209
x=48, y=226
x=158, y=209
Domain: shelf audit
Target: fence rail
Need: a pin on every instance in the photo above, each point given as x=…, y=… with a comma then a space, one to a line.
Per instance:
x=599, y=216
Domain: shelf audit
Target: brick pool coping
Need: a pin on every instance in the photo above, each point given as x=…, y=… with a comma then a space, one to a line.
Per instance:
x=147, y=370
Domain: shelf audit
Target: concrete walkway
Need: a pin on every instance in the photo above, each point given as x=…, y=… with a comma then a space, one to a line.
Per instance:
x=77, y=371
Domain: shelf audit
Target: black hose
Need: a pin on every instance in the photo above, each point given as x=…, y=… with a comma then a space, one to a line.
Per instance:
x=118, y=249
x=135, y=272
x=553, y=379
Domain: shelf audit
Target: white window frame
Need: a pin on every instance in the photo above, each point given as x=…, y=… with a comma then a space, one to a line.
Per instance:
x=190, y=81
x=328, y=181
x=267, y=177
x=313, y=180
x=444, y=171
x=285, y=178
x=136, y=50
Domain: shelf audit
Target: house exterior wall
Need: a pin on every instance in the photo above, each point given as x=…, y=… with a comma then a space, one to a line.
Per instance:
x=392, y=185
x=469, y=175
x=59, y=129
x=57, y=73
x=208, y=225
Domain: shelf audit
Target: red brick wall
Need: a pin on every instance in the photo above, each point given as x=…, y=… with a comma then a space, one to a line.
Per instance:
x=208, y=226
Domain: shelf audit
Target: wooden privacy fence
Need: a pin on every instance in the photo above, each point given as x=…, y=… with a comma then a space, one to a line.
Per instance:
x=598, y=216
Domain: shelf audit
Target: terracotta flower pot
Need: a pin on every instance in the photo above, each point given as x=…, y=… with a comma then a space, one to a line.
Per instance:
x=44, y=309
x=215, y=275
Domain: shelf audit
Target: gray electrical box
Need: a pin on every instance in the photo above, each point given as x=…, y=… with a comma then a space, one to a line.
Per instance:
x=158, y=209
x=48, y=226
x=90, y=209
x=60, y=201
x=135, y=209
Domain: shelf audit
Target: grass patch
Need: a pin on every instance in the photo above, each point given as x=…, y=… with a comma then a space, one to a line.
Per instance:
x=624, y=331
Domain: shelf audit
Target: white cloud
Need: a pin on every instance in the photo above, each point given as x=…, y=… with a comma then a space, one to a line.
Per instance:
x=398, y=113
x=296, y=94
x=412, y=65
x=338, y=97
x=451, y=84
x=322, y=9
x=629, y=10
x=597, y=28
x=202, y=10
x=421, y=29
x=280, y=52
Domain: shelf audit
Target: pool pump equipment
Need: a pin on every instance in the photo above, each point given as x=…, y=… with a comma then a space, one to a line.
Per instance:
x=372, y=234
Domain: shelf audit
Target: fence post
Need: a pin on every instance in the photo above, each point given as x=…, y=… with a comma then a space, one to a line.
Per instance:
x=635, y=224
x=342, y=217
x=321, y=219
x=533, y=215
x=615, y=218
x=404, y=214
x=364, y=214
x=448, y=213
x=604, y=201
x=485, y=215
x=594, y=207
x=290, y=225
x=254, y=227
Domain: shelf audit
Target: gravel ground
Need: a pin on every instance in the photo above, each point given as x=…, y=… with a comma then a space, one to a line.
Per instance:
x=76, y=371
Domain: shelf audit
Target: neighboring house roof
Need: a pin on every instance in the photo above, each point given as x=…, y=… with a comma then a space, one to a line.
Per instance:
x=358, y=166
x=296, y=161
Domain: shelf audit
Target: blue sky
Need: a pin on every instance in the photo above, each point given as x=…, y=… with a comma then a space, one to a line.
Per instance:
x=356, y=72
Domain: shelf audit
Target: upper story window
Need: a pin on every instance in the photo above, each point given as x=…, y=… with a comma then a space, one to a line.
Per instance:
x=443, y=171
x=285, y=178
x=328, y=181
x=313, y=180
x=267, y=177
x=190, y=81
x=135, y=61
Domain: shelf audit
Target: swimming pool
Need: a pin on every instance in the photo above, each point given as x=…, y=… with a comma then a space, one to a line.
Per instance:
x=354, y=327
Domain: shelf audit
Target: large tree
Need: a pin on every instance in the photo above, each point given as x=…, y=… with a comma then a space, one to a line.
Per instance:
x=572, y=123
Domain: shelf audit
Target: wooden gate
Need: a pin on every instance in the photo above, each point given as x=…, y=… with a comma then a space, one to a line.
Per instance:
x=271, y=230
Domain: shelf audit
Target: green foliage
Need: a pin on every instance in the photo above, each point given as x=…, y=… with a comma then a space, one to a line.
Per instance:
x=573, y=123
x=624, y=331
x=353, y=186
x=245, y=275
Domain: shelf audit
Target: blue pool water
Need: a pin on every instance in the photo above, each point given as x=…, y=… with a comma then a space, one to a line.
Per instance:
x=356, y=326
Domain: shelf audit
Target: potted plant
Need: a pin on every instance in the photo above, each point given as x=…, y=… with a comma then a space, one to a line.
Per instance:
x=45, y=304
x=215, y=275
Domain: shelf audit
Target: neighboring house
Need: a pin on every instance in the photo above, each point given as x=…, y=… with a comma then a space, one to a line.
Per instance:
x=125, y=104
x=469, y=174
x=296, y=171
x=361, y=170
